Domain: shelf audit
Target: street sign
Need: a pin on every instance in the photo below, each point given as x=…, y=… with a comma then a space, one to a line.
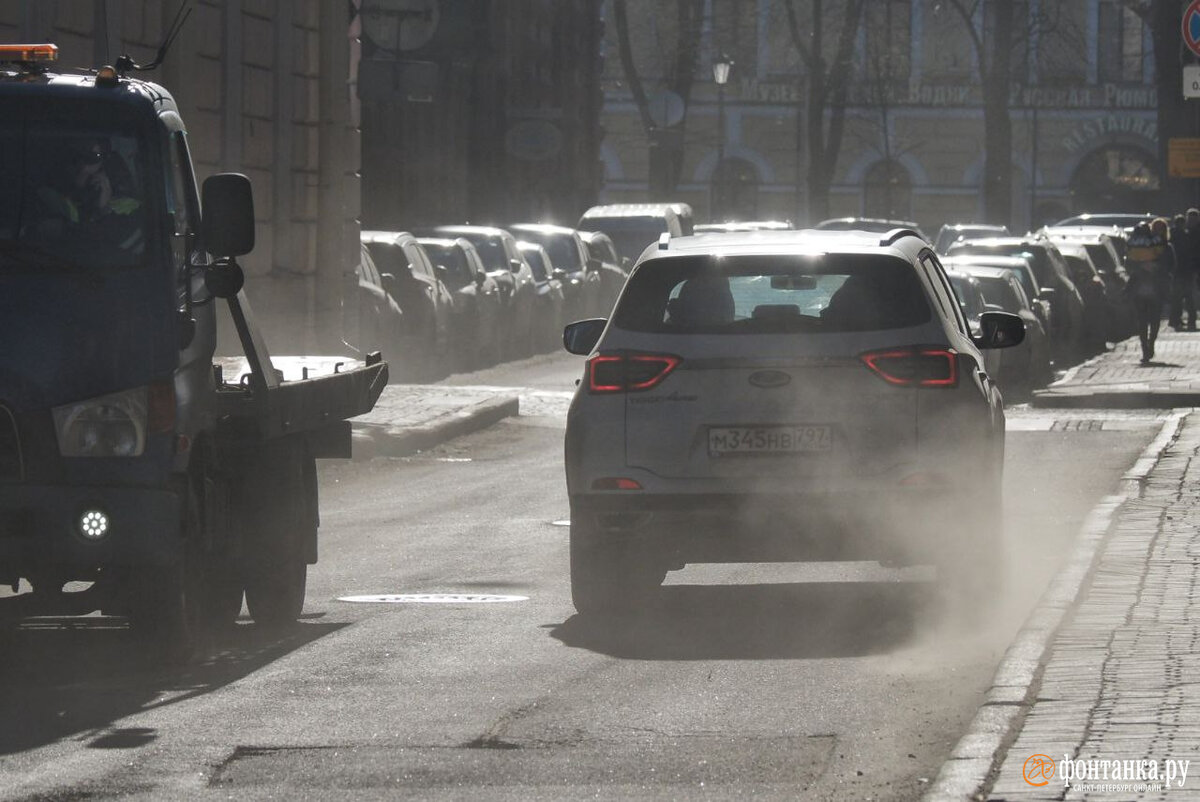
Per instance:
x=1191, y=81
x=1183, y=157
x=1191, y=27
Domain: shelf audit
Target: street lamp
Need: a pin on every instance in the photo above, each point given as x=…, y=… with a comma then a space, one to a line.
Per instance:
x=720, y=70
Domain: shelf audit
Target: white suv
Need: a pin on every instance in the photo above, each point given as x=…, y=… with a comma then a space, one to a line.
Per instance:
x=782, y=396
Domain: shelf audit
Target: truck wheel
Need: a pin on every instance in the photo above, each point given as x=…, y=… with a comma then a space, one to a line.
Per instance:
x=166, y=610
x=275, y=593
x=276, y=508
x=609, y=573
x=224, y=597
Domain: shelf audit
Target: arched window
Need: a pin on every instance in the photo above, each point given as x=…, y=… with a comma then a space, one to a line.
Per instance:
x=735, y=190
x=887, y=191
x=1115, y=178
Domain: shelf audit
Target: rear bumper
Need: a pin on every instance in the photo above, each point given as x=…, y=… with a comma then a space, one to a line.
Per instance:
x=39, y=530
x=894, y=524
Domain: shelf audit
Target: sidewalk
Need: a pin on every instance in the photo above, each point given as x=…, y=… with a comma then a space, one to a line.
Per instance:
x=1117, y=379
x=1105, y=674
x=413, y=417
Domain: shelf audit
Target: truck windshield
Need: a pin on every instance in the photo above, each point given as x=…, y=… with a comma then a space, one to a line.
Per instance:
x=71, y=189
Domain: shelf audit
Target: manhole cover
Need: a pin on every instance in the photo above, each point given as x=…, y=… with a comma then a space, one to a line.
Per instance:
x=432, y=598
x=560, y=523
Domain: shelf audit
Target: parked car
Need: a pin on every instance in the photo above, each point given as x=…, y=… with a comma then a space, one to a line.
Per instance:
x=582, y=284
x=953, y=232
x=552, y=305
x=1106, y=246
x=1123, y=220
x=744, y=225
x=1022, y=267
x=428, y=306
x=971, y=301
x=687, y=219
x=1054, y=280
x=633, y=226
x=1096, y=310
x=1027, y=366
x=503, y=262
x=372, y=319
x=875, y=224
x=772, y=386
x=479, y=313
x=612, y=269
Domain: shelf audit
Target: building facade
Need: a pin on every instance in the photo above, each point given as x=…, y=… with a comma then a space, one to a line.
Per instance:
x=1082, y=102
x=484, y=111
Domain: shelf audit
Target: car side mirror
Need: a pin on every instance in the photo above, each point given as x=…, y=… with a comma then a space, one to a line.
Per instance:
x=480, y=277
x=389, y=283
x=227, y=226
x=558, y=273
x=1000, y=330
x=580, y=338
x=593, y=264
x=515, y=265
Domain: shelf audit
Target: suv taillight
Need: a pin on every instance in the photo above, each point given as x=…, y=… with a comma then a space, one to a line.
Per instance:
x=915, y=367
x=628, y=373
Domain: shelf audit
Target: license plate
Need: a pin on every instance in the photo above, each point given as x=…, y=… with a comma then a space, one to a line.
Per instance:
x=723, y=440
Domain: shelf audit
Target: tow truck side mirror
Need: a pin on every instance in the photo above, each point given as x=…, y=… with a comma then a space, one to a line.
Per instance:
x=224, y=278
x=228, y=224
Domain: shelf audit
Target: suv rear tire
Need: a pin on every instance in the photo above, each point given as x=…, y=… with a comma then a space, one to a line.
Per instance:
x=610, y=572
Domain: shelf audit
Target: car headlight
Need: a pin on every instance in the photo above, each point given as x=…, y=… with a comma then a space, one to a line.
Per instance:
x=109, y=426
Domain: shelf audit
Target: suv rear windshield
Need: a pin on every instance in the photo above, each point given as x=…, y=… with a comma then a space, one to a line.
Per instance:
x=773, y=295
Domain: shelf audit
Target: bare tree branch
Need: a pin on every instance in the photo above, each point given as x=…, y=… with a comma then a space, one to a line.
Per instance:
x=967, y=12
x=621, y=16
x=794, y=28
x=839, y=76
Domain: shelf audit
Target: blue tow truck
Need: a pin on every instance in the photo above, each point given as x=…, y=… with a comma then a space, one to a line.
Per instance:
x=136, y=479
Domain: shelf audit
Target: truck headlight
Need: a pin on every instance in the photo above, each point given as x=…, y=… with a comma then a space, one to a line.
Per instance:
x=109, y=426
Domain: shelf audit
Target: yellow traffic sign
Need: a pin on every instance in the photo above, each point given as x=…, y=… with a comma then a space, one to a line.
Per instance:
x=1183, y=157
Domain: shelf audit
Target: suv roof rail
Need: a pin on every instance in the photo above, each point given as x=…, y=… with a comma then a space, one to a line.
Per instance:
x=898, y=233
x=664, y=241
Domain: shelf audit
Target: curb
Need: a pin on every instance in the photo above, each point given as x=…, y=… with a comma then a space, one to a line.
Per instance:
x=1133, y=399
x=981, y=749
x=383, y=440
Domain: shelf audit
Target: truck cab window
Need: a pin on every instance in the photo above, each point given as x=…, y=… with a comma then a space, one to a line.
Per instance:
x=78, y=197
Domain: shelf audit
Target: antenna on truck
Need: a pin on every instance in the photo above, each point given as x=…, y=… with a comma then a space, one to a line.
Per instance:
x=125, y=63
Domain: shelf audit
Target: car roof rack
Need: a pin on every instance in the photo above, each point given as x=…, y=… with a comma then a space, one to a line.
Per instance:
x=896, y=234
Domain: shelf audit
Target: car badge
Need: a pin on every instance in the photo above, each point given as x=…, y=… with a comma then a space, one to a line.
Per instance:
x=769, y=379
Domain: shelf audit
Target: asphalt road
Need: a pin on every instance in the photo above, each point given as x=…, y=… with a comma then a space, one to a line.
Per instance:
x=823, y=682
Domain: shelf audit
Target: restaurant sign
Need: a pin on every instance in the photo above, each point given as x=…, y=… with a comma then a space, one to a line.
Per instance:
x=1104, y=96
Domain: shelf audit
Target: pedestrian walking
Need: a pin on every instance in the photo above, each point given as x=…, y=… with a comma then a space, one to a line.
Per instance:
x=1179, y=240
x=1150, y=262
x=1191, y=266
